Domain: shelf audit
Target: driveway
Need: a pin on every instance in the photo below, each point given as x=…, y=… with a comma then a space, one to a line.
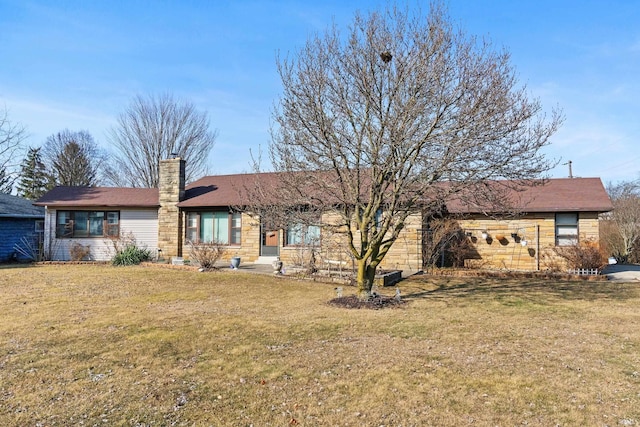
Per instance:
x=622, y=272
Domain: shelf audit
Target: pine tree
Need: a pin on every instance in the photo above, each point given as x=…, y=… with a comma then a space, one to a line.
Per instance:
x=34, y=179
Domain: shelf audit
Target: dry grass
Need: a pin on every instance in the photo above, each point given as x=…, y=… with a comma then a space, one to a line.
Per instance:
x=100, y=345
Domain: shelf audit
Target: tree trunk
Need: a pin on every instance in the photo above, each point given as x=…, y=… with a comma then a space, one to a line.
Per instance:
x=366, y=276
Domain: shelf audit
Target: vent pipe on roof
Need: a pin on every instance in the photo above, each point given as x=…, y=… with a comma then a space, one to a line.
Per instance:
x=570, y=171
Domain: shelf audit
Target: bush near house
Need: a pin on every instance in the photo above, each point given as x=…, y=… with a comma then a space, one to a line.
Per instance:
x=131, y=255
x=582, y=256
x=79, y=252
x=206, y=253
x=127, y=251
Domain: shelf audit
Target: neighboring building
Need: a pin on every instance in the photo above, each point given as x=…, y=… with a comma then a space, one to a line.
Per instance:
x=563, y=211
x=22, y=224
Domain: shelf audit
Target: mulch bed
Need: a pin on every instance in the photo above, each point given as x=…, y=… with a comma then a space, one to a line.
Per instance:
x=374, y=303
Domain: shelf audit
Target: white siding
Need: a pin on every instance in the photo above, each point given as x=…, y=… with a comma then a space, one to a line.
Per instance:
x=142, y=224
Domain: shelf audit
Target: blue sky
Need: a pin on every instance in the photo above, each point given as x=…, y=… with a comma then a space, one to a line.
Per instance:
x=77, y=64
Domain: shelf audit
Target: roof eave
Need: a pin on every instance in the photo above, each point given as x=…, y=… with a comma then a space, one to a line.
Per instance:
x=102, y=205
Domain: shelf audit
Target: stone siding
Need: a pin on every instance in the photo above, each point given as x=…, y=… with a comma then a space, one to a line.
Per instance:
x=503, y=248
x=249, y=248
x=406, y=252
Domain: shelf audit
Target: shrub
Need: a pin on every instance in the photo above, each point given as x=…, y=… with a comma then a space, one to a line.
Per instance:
x=205, y=253
x=131, y=255
x=78, y=252
x=582, y=256
x=127, y=251
x=445, y=244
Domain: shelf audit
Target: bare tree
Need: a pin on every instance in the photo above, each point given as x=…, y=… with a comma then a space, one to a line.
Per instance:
x=155, y=128
x=11, y=137
x=623, y=236
x=73, y=158
x=395, y=117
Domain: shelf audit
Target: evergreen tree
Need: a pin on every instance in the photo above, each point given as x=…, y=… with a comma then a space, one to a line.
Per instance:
x=34, y=179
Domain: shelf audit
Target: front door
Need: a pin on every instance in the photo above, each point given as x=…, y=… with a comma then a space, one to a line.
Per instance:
x=270, y=240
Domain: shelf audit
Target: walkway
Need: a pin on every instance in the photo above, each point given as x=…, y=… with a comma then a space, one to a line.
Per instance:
x=622, y=272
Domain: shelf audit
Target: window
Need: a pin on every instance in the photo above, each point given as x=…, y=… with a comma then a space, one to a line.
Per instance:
x=221, y=227
x=78, y=224
x=39, y=226
x=377, y=219
x=566, y=229
x=302, y=235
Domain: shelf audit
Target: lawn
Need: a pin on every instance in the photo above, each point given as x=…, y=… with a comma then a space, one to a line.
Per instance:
x=143, y=346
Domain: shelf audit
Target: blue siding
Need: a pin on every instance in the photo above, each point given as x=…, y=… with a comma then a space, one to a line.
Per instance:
x=11, y=231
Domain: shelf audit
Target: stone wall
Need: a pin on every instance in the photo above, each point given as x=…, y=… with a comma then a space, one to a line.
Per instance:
x=171, y=189
x=405, y=254
x=249, y=248
x=503, y=247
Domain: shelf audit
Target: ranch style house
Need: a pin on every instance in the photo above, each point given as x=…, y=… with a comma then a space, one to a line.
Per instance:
x=560, y=212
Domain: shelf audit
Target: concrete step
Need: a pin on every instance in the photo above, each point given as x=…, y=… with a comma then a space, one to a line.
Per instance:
x=265, y=260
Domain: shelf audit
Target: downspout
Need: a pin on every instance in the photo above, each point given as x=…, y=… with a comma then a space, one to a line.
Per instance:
x=46, y=245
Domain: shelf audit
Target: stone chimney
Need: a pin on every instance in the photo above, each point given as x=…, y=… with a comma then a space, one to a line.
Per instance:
x=171, y=190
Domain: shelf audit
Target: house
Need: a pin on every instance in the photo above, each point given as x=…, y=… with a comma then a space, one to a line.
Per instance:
x=21, y=224
x=164, y=220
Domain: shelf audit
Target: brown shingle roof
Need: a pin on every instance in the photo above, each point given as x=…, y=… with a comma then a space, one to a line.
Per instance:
x=224, y=190
x=100, y=196
x=555, y=195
